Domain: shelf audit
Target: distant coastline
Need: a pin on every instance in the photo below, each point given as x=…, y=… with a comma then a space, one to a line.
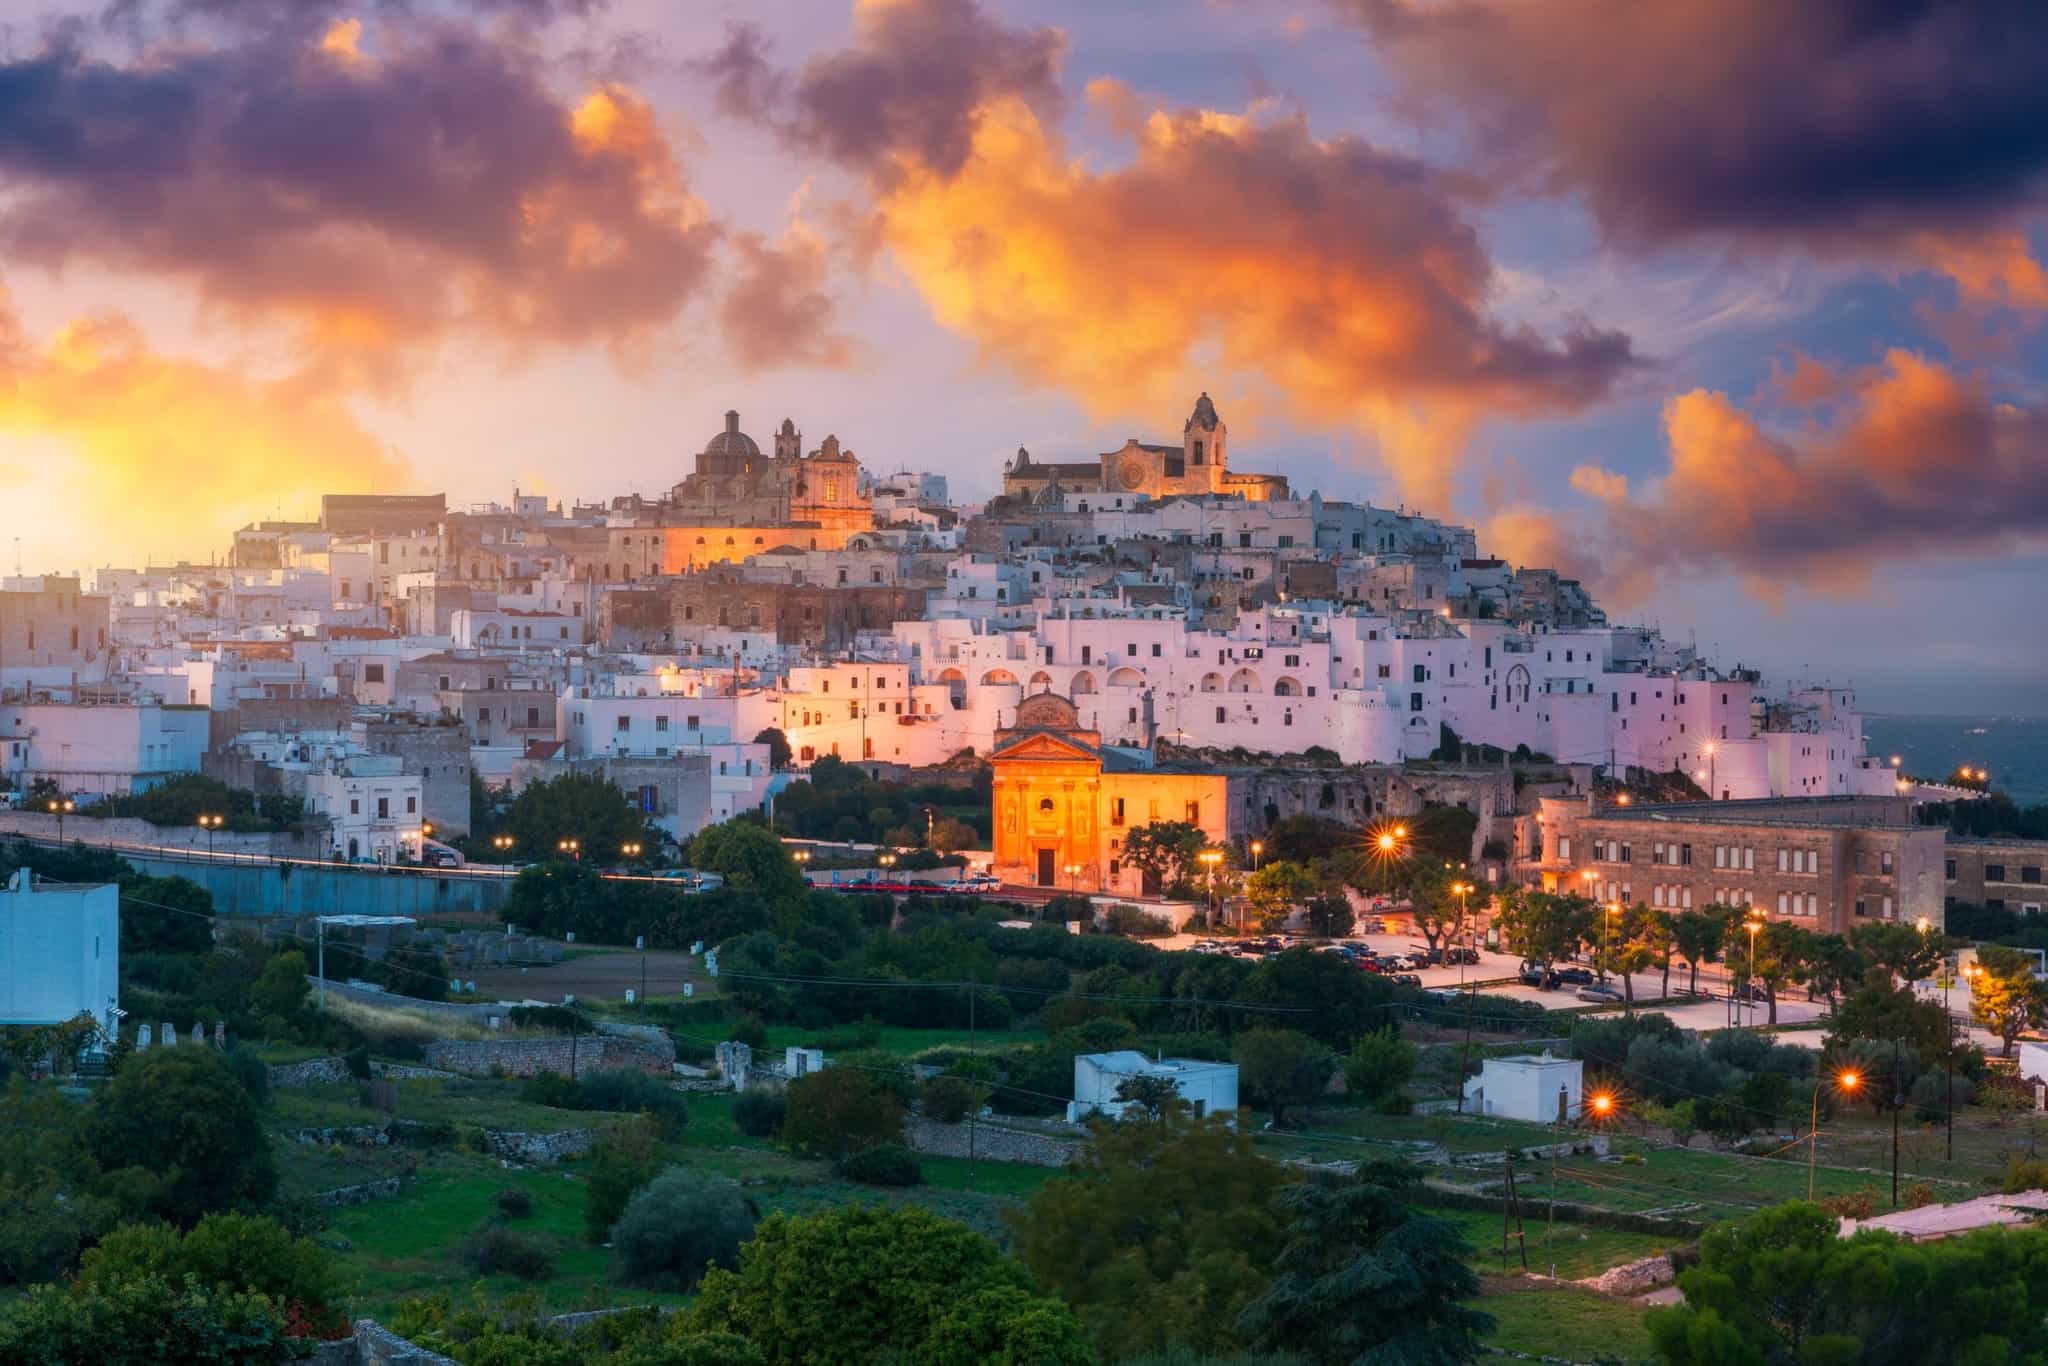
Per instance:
x=2014, y=748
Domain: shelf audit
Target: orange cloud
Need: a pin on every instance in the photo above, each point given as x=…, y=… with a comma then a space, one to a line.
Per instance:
x=1331, y=272
x=173, y=454
x=1595, y=482
x=777, y=311
x=1919, y=461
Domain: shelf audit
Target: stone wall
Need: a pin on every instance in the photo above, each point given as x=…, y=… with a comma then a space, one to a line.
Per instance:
x=379, y=1346
x=311, y=1072
x=343, y=1196
x=346, y=1135
x=539, y=1148
x=993, y=1141
x=530, y=1057
x=1633, y=1278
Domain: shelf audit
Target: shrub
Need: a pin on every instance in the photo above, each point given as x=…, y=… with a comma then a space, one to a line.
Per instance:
x=556, y=1019
x=251, y=1071
x=2025, y=1176
x=839, y=1111
x=1856, y=1205
x=886, y=1070
x=498, y=1251
x=1919, y=1194
x=513, y=1203
x=552, y=1089
x=227, y=1254
x=1062, y=909
x=885, y=1164
x=357, y=1060
x=678, y=1228
x=625, y=1158
x=950, y=1099
x=625, y=1091
x=1135, y=922
x=749, y=1030
x=758, y=1114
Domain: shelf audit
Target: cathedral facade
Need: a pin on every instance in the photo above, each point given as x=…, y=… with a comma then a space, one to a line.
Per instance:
x=736, y=483
x=1200, y=464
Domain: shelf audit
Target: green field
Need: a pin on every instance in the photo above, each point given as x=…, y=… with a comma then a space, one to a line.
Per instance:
x=1565, y=1322
x=910, y=1042
x=1581, y=1250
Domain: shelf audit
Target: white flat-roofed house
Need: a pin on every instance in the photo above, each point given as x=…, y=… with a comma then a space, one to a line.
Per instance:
x=1207, y=1087
x=1527, y=1088
x=60, y=952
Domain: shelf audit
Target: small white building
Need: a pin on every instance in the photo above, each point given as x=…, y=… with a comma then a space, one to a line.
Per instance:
x=1207, y=1087
x=60, y=952
x=1527, y=1088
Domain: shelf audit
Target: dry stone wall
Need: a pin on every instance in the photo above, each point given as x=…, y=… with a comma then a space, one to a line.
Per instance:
x=992, y=1141
x=530, y=1057
x=539, y=1148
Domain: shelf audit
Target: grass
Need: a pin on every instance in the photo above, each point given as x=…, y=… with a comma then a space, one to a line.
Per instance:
x=910, y=1042
x=408, y=1246
x=1581, y=1249
x=1564, y=1322
x=464, y=1102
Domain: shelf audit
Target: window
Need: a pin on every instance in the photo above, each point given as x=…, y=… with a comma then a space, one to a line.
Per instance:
x=1045, y=804
x=1421, y=673
x=1194, y=813
x=1415, y=701
x=2030, y=873
x=383, y=808
x=373, y=673
x=1749, y=860
x=661, y=725
x=355, y=806
x=532, y=717
x=1219, y=713
x=1720, y=856
x=483, y=716
x=1949, y=869
x=1784, y=860
x=1155, y=649
x=1994, y=872
x=412, y=805
x=623, y=724
x=1685, y=856
x=1564, y=846
x=1116, y=810
x=690, y=722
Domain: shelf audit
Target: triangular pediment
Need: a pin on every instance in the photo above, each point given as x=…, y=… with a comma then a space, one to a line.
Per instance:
x=1045, y=746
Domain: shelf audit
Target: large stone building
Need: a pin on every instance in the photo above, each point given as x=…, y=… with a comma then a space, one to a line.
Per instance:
x=735, y=482
x=1828, y=863
x=1998, y=874
x=1200, y=464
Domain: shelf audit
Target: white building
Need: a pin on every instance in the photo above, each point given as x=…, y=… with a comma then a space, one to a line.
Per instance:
x=103, y=749
x=373, y=803
x=60, y=952
x=1208, y=1087
x=1527, y=1088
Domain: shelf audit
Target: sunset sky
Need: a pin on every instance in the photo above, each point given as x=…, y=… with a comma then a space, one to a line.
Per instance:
x=1732, y=307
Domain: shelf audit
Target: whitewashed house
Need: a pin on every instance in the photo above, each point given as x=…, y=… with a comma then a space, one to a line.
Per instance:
x=1207, y=1087
x=1527, y=1088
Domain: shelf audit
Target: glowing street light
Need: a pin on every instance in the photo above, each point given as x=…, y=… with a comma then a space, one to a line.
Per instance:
x=1258, y=848
x=210, y=823
x=1597, y=1107
x=1210, y=859
x=503, y=843
x=573, y=848
x=1845, y=1082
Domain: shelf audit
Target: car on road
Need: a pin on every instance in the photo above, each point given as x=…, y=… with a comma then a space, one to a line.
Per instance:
x=1578, y=977
x=1603, y=995
x=1452, y=957
x=1750, y=991
x=1406, y=962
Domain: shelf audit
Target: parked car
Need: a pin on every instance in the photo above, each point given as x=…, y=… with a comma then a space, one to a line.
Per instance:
x=1405, y=962
x=1578, y=977
x=1601, y=994
x=1442, y=996
x=1372, y=965
x=1407, y=979
x=1460, y=954
x=1750, y=991
x=1533, y=976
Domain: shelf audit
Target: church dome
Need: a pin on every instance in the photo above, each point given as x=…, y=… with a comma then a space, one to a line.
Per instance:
x=728, y=452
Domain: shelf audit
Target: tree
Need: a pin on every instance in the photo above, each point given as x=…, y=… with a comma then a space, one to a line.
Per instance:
x=840, y=1111
x=1878, y=1011
x=279, y=992
x=625, y=1157
x=1340, y=1001
x=1783, y=958
x=1166, y=852
x=1629, y=943
x=1275, y=890
x=948, y=834
x=678, y=1228
x=144, y=1321
x=576, y=806
x=1281, y=1067
x=1781, y=1288
x=1158, y=1235
x=779, y=752
x=748, y=856
x=1380, y=1064
x=1364, y=1277
x=2004, y=997
x=226, y=1253
x=1330, y=915
x=1907, y=953
x=1836, y=968
x=178, y=1119
x=1544, y=927
x=165, y=915
x=1697, y=936
x=883, y=1284
x=1441, y=914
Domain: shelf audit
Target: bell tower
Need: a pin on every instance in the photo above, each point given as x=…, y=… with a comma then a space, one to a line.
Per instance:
x=1204, y=441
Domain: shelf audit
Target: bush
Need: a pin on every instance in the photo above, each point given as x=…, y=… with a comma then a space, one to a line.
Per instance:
x=251, y=1071
x=497, y=1251
x=625, y=1158
x=758, y=1114
x=624, y=1091
x=2025, y=1176
x=556, y=1019
x=839, y=1111
x=513, y=1203
x=226, y=1254
x=678, y=1228
x=1064, y=908
x=950, y=1099
x=1135, y=922
x=552, y=1089
x=885, y=1164
x=749, y=1030
x=357, y=1060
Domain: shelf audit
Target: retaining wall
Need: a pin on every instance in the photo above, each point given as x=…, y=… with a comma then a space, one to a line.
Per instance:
x=530, y=1057
x=342, y=1197
x=539, y=1148
x=992, y=1141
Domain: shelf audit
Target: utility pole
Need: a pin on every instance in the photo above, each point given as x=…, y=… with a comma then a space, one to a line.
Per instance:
x=1898, y=1103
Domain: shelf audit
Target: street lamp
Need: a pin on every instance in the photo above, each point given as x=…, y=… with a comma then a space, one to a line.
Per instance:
x=1258, y=848
x=1073, y=872
x=1846, y=1081
x=1597, y=1108
x=209, y=824
x=629, y=850
x=1608, y=912
x=573, y=848
x=503, y=843
x=1209, y=859
x=1755, y=923
x=1712, y=782
x=61, y=809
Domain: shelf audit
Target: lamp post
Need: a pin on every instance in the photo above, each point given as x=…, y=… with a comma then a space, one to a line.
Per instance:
x=1465, y=1055
x=1073, y=872
x=210, y=823
x=1846, y=1081
x=61, y=809
x=630, y=851
x=1210, y=858
x=503, y=843
x=1711, y=759
x=1607, y=915
x=1258, y=848
x=1755, y=923
x=1601, y=1105
x=573, y=848
x=1948, y=1052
